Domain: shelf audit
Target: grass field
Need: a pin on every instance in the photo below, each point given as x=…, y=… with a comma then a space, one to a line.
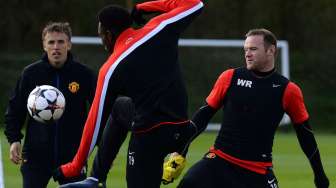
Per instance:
x=291, y=167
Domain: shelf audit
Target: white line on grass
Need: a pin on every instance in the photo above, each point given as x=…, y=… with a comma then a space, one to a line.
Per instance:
x=2, y=183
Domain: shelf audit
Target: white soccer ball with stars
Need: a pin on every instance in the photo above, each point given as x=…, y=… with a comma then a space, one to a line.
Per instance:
x=46, y=104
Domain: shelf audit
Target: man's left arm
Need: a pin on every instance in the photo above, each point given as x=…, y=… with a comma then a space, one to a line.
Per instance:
x=309, y=146
x=294, y=106
x=177, y=13
x=166, y=5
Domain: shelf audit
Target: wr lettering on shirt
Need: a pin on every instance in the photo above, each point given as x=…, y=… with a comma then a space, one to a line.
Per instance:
x=244, y=83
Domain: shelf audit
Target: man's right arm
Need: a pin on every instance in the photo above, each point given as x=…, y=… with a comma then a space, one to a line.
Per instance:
x=15, y=152
x=201, y=118
x=15, y=116
x=214, y=101
x=174, y=166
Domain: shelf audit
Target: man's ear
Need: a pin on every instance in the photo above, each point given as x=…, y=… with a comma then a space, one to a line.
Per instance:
x=271, y=49
x=44, y=47
x=69, y=45
x=111, y=36
x=110, y=39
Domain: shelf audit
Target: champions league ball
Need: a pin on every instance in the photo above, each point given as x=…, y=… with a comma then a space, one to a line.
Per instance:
x=46, y=104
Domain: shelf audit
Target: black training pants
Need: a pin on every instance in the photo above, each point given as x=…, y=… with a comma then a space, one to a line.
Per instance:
x=214, y=172
x=114, y=134
x=147, y=151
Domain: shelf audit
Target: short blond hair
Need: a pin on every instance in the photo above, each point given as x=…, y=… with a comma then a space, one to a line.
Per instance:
x=61, y=27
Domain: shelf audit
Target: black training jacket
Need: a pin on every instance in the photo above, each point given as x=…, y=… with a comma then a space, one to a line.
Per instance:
x=57, y=143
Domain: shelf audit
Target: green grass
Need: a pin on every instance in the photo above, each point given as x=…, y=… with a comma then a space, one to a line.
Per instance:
x=291, y=166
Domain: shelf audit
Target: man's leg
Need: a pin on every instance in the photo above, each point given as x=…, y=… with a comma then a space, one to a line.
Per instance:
x=114, y=135
x=34, y=176
x=147, y=151
x=145, y=161
x=200, y=175
x=255, y=180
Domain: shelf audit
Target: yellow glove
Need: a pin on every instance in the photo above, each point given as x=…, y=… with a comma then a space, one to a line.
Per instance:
x=172, y=168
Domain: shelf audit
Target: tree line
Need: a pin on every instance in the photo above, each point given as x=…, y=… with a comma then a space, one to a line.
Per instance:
x=307, y=25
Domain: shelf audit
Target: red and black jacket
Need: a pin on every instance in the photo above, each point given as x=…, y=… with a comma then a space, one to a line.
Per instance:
x=144, y=66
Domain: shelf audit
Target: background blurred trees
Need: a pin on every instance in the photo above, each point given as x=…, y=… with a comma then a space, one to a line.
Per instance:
x=308, y=25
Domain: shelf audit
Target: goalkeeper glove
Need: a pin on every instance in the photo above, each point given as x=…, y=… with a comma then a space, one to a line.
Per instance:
x=172, y=168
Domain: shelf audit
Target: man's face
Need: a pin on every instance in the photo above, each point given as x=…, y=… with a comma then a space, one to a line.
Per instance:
x=106, y=38
x=257, y=57
x=56, y=45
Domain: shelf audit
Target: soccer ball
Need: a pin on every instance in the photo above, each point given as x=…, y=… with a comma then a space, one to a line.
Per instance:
x=46, y=104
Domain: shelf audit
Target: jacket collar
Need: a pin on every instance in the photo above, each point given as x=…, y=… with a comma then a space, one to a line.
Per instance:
x=66, y=64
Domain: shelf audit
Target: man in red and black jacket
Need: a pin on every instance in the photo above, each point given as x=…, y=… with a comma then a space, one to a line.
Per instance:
x=254, y=99
x=143, y=66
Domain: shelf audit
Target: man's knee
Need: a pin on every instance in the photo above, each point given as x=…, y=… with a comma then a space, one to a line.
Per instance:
x=124, y=110
x=187, y=182
x=196, y=177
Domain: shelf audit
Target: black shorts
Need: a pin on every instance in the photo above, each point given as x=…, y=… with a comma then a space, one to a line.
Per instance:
x=214, y=172
x=147, y=151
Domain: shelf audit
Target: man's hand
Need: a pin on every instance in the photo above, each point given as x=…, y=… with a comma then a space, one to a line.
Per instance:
x=15, y=152
x=172, y=168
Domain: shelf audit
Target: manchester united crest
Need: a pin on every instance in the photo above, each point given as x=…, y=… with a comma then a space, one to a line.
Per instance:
x=73, y=87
